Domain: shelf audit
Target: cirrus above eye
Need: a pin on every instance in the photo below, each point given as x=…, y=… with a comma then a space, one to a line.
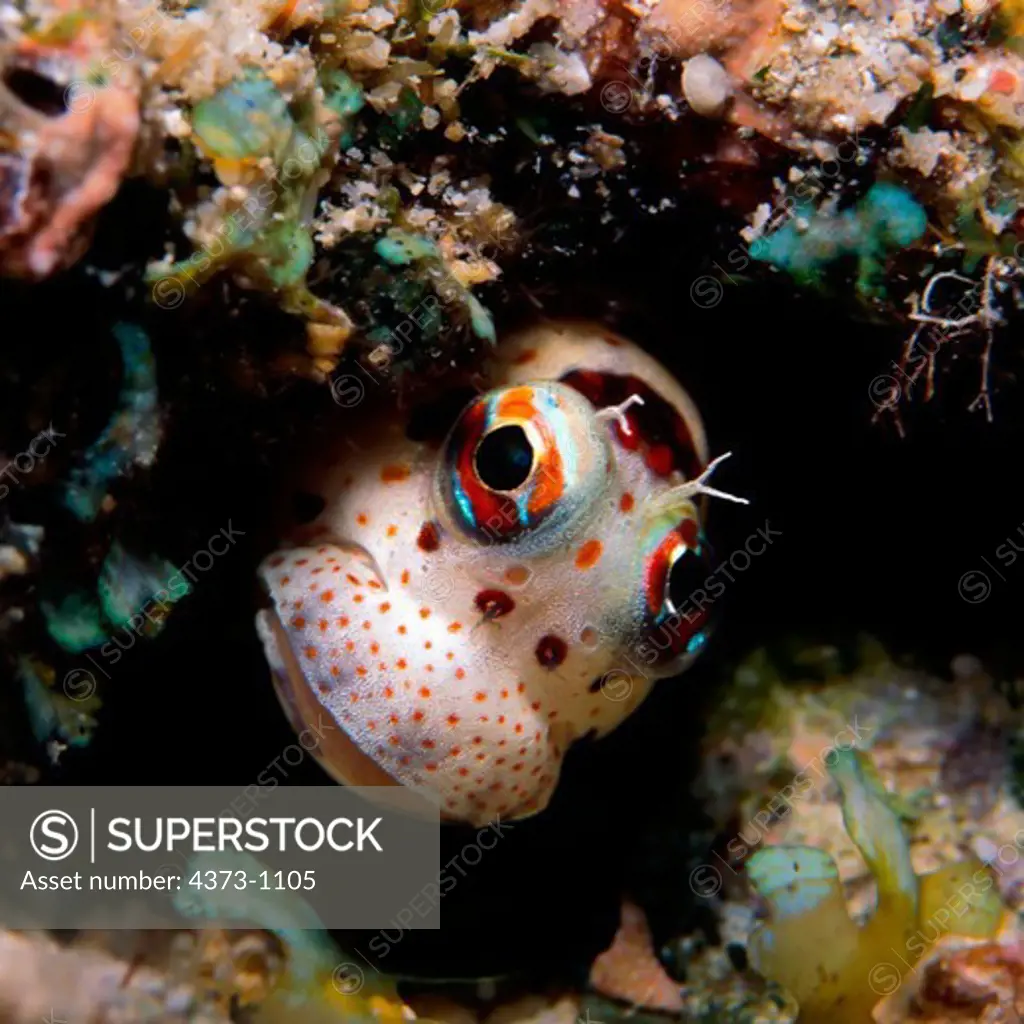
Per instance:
x=520, y=458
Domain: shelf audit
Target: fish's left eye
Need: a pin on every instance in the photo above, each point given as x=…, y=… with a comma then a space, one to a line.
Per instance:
x=679, y=613
x=522, y=462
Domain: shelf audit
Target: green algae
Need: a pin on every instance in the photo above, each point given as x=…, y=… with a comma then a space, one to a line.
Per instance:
x=132, y=435
x=838, y=969
x=885, y=220
x=247, y=119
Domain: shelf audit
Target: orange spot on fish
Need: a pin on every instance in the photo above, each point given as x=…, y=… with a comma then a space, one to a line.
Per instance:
x=343, y=621
x=299, y=622
x=310, y=652
x=626, y=502
x=455, y=627
x=589, y=554
x=405, y=577
x=327, y=595
x=394, y=474
x=517, y=404
x=362, y=519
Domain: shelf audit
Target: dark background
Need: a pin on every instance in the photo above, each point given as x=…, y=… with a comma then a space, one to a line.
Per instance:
x=877, y=529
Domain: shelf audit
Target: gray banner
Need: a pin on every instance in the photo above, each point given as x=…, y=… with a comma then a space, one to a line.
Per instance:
x=172, y=857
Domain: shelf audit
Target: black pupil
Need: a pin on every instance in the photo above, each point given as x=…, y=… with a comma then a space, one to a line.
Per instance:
x=504, y=459
x=686, y=578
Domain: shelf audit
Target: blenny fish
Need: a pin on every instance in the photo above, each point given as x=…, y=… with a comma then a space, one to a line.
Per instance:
x=466, y=608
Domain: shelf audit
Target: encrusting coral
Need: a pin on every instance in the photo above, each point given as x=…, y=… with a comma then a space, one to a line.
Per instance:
x=282, y=132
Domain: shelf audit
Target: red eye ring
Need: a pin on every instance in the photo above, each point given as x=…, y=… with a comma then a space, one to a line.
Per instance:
x=676, y=609
x=516, y=432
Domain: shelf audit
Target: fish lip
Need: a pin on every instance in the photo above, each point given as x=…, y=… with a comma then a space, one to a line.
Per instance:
x=319, y=535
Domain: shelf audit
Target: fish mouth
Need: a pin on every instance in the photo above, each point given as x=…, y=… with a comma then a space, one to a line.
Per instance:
x=319, y=536
x=328, y=742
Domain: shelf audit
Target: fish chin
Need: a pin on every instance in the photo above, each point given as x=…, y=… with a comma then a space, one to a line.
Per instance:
x=318, y=731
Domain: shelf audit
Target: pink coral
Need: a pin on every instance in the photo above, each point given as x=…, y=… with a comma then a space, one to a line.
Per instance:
x=69, y=145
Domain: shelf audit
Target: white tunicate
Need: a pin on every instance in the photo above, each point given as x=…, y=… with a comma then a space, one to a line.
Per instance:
x=706, y=85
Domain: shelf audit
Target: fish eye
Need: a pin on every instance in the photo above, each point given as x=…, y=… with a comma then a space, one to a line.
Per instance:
x=521, y=462
x=686, y=573
x=679, y=614
x=504, y=458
